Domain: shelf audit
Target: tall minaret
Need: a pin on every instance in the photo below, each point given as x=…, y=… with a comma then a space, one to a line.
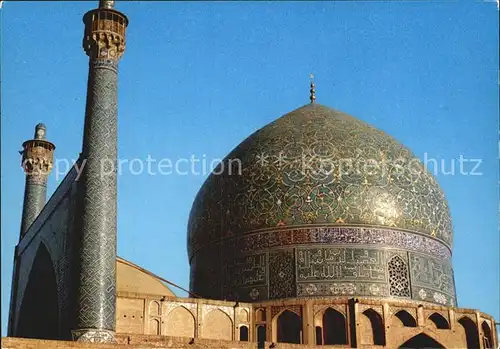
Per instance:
x=104, y=43
x=38, y=158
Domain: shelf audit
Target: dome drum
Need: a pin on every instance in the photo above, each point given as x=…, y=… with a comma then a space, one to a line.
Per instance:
x=287, y=263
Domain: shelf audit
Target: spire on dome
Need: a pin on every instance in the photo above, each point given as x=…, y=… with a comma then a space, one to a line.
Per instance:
x=312, y=96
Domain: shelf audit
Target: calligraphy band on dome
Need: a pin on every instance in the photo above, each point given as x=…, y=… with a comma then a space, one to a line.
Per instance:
x=273, y=237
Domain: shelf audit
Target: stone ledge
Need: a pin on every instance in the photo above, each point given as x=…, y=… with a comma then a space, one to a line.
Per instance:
x=147, y=342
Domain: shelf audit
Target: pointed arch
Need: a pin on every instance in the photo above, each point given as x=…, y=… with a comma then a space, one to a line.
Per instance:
x=334, y=327
x=289, y=327
x=243, y=315
x=399, y=281
x=421, y=341
x=217, y=325
x=180, y=323
x=39, y=313
x=260, y=315
x=377, y=331
x=406, y=318
x=471, y=334
x=487, y=336
x=439, y=321
x=154, y=308
x=154, y=327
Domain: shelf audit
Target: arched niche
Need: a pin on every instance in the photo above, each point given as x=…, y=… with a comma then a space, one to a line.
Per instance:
x=319, y=335
x=154, y=308
x=180, y=323
x=261, y=336
x=334, y=327
x=404, y=318
x=439, y=321
x=154, y=327
x=217, y=325
x=243, y=333
x=421, y=341
x=471, y=334
x=372, y=326
x=289, y=327
x=260, y=315
x=243, y=315
x=39, y=312
x=487, y=335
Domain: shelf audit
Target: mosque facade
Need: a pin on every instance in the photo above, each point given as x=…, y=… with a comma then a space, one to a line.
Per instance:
x=328, y=232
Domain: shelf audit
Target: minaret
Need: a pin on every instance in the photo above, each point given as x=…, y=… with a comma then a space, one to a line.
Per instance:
x=104, y=43
x=38, y=158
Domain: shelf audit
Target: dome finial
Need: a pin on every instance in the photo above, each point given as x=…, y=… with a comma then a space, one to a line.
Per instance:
x=106, y=4
x=312, y=96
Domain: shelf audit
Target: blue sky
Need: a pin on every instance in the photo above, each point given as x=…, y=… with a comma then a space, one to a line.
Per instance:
x=198, y=77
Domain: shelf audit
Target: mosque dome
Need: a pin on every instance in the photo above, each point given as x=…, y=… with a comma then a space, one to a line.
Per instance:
x=315, y=177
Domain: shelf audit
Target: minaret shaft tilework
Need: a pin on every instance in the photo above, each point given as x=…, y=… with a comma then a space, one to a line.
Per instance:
x=97, y=295
x=96, y=303
x=35, y=194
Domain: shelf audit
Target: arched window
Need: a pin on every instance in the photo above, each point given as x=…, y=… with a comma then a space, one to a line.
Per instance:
x=421, y=341
x=289, y=327
x=487, y=338
x=440, y=322
x=406, y=318
x=399, y=281
x=261, y=336
x=334, y=327
x=377, y=324
x=243, y=333
x=470, y=332
x=319, y=335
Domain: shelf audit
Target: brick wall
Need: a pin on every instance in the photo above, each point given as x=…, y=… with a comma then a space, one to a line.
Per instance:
x=205, y=319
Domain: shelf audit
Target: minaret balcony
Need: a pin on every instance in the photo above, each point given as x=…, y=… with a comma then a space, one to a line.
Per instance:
x=104, y=33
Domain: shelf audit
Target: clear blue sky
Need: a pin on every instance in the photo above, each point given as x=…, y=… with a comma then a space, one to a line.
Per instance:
x=197, y=78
